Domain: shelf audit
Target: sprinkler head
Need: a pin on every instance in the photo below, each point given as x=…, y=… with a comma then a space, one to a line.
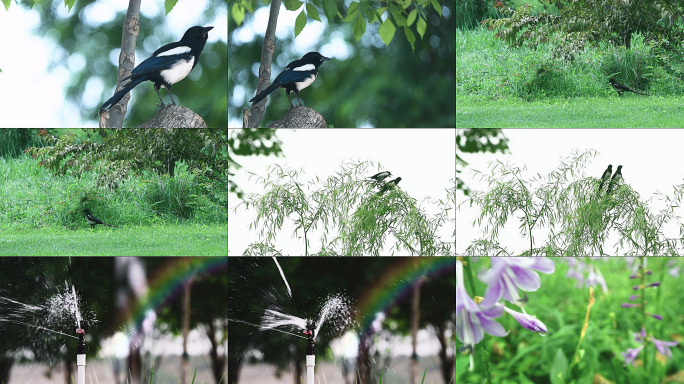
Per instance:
x=310, y=328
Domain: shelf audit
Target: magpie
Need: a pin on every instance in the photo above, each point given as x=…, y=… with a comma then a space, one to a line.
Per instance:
x=615, y=179
x=167, y=65
x=296, y=76
x=605, y=176
x=93, y=221
x=619, y=88
x=388, y=185
x=381, y=176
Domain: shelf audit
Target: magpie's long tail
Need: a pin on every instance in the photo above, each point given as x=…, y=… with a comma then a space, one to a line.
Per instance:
x=264, y=93
x=111, y=225
x=639, y=93
x=119, y=95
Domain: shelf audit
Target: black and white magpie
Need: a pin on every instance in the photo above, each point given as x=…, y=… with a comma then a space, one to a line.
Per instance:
x=619, y=88
x=93, y=221
x=381, y=176
x=296, y=76
x=615, y=179
x=605, y=176
x=167, y=65
x=390, y=184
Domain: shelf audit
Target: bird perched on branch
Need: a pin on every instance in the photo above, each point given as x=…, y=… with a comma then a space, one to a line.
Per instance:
x=615, y=179
x=381, y=176
x=296, y=76
x=93, y=221
x=605, y=176
x=619, y=88
x=389, y=185
x=167, y=65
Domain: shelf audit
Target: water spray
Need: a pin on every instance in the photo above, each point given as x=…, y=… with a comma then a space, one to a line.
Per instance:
x=310, y=351
x=80, y=351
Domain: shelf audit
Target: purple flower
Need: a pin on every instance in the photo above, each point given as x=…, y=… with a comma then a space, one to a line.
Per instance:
x=527, y=321
x=462, y=298
x=663, y=346
x=631, y=354
x=630, y=305
x=507, y=275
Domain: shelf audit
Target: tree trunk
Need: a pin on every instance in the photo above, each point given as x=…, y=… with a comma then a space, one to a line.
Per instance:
x=115, y=116
x=252, y=117
x=5, y=368
x=415, y=323
x=363, y=358
x=185, y=363
x=217, y=361
x=300, y=117
x=447, y=362
x=234, y=364
x=134, y=358
x=299, y=373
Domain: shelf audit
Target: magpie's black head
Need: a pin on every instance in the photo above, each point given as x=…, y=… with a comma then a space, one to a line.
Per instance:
x=314, y=58
x=397, y=180
x=619, y=168
x=196, y=35
x=86, y=211
x=612, y=80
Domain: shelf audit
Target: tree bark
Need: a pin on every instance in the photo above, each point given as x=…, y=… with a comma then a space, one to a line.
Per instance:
x=217, y=361
x=252, y=117
x=300, y=117
x=363, y=358
x=5, y=368
x=175, y=116
x=115, y=116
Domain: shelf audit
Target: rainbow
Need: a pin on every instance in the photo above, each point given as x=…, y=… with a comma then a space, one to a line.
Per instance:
x=167, y=282
x=397, y=283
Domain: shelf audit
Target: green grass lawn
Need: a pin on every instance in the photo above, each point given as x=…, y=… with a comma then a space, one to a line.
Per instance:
x=579, y=112
x=157, y=240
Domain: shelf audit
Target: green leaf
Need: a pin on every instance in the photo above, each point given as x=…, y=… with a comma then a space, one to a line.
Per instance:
x=312, y=12
x=300, y=23
x=437, y=7
x=411, y=17
x=169, y=4
x=330, y=8
x=69, y=3
x=7, y=4
x=398, y=17
x=351, y=11
x=410, y=37
x=386, y=31
x=238, y=14
x=421, y=26
x=359, y=27
x=292, y=5
x=558, y=368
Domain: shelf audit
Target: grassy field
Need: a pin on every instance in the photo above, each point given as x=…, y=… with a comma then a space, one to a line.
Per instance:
x=579, y=112
x=502, y=86
x=42, y=213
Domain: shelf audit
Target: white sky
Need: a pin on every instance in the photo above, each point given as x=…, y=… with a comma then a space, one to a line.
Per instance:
x=652, y=160
x=423, y=158
x=33, y=97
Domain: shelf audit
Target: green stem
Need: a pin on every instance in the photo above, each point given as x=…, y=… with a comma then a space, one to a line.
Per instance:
x=471, y=283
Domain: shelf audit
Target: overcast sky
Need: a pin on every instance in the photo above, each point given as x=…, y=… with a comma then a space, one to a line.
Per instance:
x=423, y=158
x=652, y=160
x=33, y=96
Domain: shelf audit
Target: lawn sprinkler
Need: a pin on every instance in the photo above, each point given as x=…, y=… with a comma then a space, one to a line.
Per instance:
x=310, y=351
x=80, y=351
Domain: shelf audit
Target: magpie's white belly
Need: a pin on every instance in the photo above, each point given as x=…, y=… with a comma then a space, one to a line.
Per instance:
x=178, y=71
x=303, y=84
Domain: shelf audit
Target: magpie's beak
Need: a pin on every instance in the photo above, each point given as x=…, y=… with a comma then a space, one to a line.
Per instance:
x=323, y=58
x=207, y=29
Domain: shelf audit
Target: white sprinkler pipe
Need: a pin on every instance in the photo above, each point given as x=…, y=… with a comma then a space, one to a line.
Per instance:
x=310, y=364
x=81, y=363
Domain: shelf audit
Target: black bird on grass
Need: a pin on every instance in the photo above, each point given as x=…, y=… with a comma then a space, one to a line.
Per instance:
x=619, y=88
x=381, y=176
x=167, y=65
x=390, y=184
x=93, y=221
x=297, y=75
x=615, y=179
x=605, y=176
